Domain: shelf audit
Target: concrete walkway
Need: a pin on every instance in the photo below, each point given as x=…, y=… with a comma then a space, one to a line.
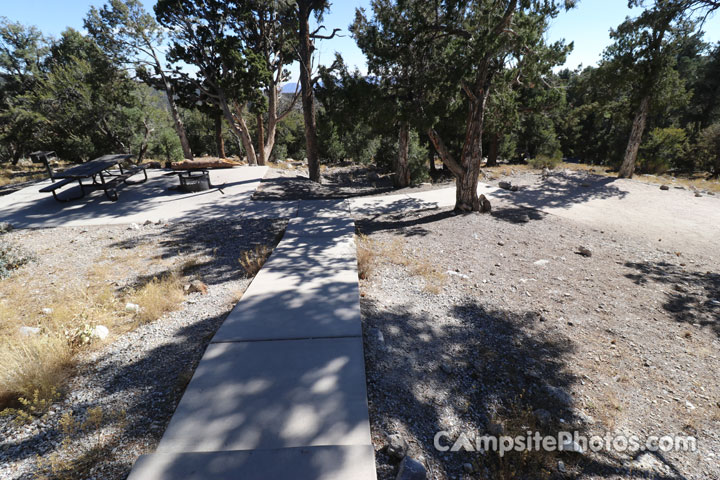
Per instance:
x=280, y=392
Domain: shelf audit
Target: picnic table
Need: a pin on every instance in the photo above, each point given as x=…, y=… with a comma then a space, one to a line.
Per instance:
x=102, y=172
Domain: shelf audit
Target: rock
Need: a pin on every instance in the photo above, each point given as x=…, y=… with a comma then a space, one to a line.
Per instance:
x=6, y=227
x=664, y=187
x=101, y=332
x=561, y=467
x=514, y=188
x=134, y=226
x=505, y=185
x=543, y=416
x=559, y=395
x=396, y=447
x=411, y=469
x=148, y=222
x=501, y=243
x=542, y=262
x=584, y=251
x=47, y=311
x=28, y=331
x=485, y=205
x=162, y=221
x=377, y=336
x=468, y=468
x=496, y=429
x=153, y=164
x=446, y=367
x=698, y=194
x=456, y=274
x=197, y=286
x=571, y=446
x=132, y=307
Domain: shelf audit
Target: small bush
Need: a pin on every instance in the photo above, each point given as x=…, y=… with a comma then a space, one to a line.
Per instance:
x=159, y=296
x=366, y=256
x=709, y=149
x=11, y=258
x=33, y=370
x=545, y=161
x=665, y=148
x=253, y=260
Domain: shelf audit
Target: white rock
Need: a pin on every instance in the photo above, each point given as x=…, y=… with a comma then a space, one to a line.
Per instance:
x=570, y=446
x=132, y=307
x=456, y=274
x=542, y=262
x=28, y=331
x=47, y=311
x=101, y=332
x=134, y=226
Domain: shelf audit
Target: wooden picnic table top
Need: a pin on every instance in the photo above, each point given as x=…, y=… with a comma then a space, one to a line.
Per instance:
x=93, y=167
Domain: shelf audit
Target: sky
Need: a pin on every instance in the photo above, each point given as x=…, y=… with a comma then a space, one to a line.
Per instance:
x=587, y=25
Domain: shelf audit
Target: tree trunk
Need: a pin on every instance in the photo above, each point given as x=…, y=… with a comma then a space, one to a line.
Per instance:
x=177, y=120
x=494, y=150
x=261, y=140
x=401, y=179
x=219, y=140
x=308, y=96
x=628, y=166
x=144, y=144
x=431, y=161
x=240, y=129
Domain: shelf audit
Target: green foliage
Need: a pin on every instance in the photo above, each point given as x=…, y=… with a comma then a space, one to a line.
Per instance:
x=709, y=149
x=665, y=148
x=545, y=161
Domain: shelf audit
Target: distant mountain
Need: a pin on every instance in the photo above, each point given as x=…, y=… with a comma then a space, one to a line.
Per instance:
x=289, y=87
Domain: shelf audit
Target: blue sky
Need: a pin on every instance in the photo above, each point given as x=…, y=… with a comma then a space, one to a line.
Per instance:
x=587, y=25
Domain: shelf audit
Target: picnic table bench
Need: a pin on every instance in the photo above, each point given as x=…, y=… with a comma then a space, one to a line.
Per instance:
x=103, y=177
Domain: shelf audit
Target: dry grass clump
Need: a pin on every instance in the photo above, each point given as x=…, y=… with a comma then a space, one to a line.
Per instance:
x=367, y=251
x=41, y=333
x=162, y=294
x=253, y=260
x=32, y=370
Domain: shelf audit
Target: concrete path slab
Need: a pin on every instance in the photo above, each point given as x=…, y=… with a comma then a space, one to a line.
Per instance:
x=296, y=304
x=324, y=208
x=301, y=253
x=351, y=462
x=320, y=227
x=278, y=394
x=152, y=200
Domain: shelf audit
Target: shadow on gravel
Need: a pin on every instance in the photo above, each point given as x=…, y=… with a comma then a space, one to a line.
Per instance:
x=338, y=183
x=221, y=240
x=694, y=297
x=488, y=374
x=411, y=224
x=563, y=191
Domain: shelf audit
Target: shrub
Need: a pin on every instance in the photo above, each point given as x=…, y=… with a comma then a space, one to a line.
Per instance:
x=11, y=258
x=253, y=260
x=366, y=256
x=709, y=149
x=665, y=148
x=545, y=161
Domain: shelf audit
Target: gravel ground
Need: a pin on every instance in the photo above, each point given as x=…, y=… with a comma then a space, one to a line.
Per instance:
x=528, y=334
x=137, y=378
